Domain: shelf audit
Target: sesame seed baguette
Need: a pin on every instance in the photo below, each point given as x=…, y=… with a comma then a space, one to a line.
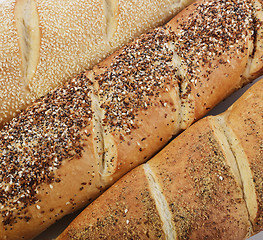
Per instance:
x=13, y=92
x=206, y=184
x=45, y=42
x=73, y=143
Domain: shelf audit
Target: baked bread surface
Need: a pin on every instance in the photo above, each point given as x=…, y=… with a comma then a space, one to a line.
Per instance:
x=106, y=121
x=197, y=184
x=44, y=43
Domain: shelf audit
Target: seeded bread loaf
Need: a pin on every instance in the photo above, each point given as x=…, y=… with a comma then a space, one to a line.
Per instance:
x=206, y=184
x=73, y=143
x=46, y=42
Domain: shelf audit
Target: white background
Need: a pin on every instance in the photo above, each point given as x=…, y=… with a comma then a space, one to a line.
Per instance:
x=57, y=228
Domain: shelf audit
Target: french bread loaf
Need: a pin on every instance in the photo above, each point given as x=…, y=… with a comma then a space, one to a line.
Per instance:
x=206, y=184
x=72, y=144
x=43, y=43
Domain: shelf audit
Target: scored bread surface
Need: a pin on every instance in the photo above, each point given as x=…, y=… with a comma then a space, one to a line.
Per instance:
x=138, y=212
x=45, y=43
x=13, y=90
x=196, y=184
x=204, y=197
x=247, y=126
x=106, y=121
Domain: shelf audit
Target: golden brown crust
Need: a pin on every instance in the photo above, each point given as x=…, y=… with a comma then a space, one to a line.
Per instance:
x=52, y=169
x=213, y=44
x=246, y=121
x=129, y=212
x=126, y=108
x=137, y=103
x=203, y=55
x=55, y=199
x=203, y=194
x=196, y=177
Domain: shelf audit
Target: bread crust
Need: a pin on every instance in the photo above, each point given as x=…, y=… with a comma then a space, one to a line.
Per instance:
x=117, y=115
x=37, y=188
x=247, y=123
x=204, y=196
x=197, y=179
x=46, y=43
x=138, y=210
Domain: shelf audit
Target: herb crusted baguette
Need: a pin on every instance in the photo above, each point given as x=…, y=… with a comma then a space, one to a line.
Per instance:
x=73, y=143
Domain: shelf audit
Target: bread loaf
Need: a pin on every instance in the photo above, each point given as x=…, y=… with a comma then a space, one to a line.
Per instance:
x=206, y=184
x=43, y=43
x=76, y=141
